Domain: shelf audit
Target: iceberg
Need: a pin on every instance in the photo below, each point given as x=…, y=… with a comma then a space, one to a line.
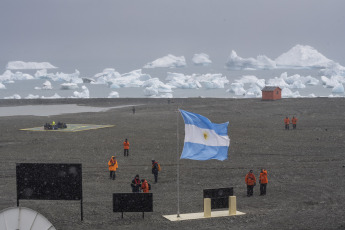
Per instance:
x=287, y=93
x=55, y=96
x=169, y=61
x=31, y=96
x=113, y=94
x=302, y=56
x=338, y=88
x=46, y=86
x=195, y=81
x=15, y=96
x=15, y=65
x=333, y=69
x=235, y=62
x=2, y=86
x=8, y=76
x=68, y=86
x=237, y=89
x=83, y=94
x=201, y=59
x=254, y=92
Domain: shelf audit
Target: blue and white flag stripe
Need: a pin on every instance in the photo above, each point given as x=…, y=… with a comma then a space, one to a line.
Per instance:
x=208, y=137
x=204, y=140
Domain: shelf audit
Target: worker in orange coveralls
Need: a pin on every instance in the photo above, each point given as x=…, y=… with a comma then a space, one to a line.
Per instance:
x=294, y=122
x=263, y=182
x=287, y=123
x=112, y=163
x=250, y=182
x=145, y=186
x=125, y=147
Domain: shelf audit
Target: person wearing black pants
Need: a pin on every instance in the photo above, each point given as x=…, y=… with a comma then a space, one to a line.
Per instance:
x=155, y=170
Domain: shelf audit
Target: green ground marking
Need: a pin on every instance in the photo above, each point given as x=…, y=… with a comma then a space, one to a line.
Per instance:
x=71, y=128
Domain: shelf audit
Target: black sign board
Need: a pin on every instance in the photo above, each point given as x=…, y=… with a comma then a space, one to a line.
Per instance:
x=219, y=197
x=49, y=181
x=132, y=202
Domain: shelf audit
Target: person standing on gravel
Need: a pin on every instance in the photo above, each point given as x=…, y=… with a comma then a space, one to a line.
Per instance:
x=287, y=123
x=263, y=182
x=112, y=163
x=155, y=169
x=294, y=122
x=250, y=182
x=125, y=147
x=136, y=184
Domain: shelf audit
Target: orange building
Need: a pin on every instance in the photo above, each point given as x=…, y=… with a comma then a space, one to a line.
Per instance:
x=271, y=93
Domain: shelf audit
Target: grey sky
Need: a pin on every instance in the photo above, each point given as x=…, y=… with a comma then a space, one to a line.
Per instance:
x=90, y=35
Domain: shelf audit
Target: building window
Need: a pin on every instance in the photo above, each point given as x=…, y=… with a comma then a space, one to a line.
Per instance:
x=277, y=92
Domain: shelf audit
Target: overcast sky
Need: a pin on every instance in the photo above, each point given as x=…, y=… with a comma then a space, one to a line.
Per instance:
x=90, y=35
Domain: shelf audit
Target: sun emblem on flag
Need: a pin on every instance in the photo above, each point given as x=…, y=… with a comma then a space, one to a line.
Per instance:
x=205, y=135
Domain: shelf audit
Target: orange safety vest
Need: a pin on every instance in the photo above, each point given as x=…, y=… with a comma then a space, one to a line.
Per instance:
x=263, y=177
x=112, y=165
x=250, y=179
x=126, y=145
x=286, y=121
x=294, y=120
x=145, y=187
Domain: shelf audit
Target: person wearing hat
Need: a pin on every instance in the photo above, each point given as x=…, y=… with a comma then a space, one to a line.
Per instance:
x=155, y=169
x=250, y=182
x=136, y=184
x=112, y=163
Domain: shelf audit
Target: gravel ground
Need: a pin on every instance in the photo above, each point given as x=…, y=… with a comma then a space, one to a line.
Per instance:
x=306, y=167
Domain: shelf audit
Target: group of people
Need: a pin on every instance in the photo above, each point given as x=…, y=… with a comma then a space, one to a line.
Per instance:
x=54, y=126
x=251, y=182
x=137, y=184
x=293, y=121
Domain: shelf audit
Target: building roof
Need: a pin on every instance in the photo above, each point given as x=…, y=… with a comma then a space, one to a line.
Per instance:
x=269, y=88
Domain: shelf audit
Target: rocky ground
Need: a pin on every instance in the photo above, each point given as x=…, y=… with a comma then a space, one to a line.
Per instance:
x=306, y=167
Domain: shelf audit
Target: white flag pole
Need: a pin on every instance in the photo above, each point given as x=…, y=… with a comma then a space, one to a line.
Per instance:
x=178, y=165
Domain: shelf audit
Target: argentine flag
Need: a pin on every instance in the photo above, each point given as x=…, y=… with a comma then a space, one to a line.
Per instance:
x=204, y=140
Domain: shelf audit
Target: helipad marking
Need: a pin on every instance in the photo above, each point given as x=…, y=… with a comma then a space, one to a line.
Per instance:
x=71, y=128
x=200, y=215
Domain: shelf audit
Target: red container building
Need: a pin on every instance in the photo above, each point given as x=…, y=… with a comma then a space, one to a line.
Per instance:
x=271, y=93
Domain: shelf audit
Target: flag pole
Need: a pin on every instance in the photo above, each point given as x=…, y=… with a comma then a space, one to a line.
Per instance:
x=178, y=165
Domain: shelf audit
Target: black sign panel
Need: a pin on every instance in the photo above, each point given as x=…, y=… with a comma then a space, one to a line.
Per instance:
x=219, y=197
x=49, y=181
x=132, y=202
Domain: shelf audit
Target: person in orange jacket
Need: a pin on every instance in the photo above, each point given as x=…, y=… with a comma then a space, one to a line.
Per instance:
x=112, y=163
x=145, y=186
x=287, y=123
x=250, y=182
x=294, y=122
x=263, y=182
x=125, y=147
